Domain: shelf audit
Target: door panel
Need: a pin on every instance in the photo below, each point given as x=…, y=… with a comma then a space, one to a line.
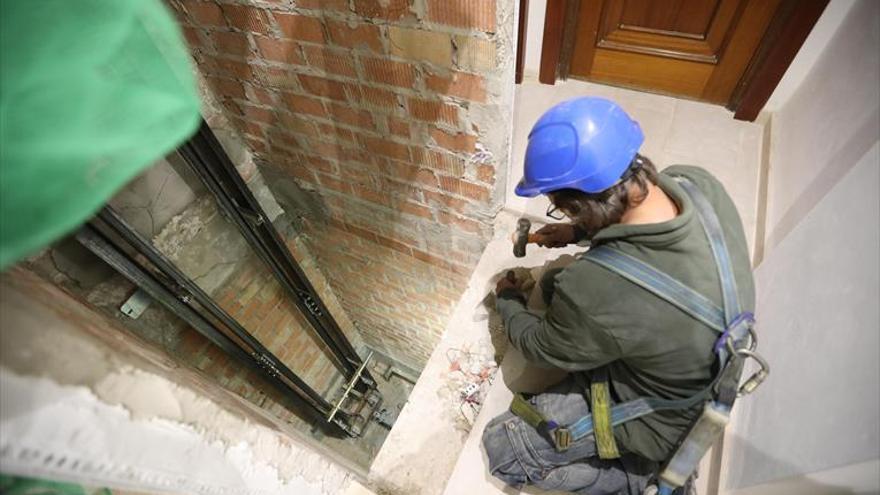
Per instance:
x=692, y=48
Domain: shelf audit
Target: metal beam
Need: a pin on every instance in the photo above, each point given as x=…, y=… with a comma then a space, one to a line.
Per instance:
x=259, y=352
x=208, y=159
x=316, y=407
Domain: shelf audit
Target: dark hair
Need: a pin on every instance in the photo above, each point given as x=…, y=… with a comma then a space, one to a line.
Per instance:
x=595, y=211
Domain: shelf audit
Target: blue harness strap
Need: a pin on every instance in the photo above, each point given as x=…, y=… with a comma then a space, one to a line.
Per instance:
x=728, y=321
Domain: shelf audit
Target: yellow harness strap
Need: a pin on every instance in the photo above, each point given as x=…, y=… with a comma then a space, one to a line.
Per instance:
x=601, y=409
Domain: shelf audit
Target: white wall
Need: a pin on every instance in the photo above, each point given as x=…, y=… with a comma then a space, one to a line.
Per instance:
x=809, y=53
x=819, y=326
x=829, y=122
x=534, y=37
x=814, y=427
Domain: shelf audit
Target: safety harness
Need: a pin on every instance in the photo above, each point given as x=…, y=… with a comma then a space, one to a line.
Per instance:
x=735, y=344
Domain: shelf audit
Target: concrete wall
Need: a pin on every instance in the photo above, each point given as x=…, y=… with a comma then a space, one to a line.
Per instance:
x=819, y=284
x=386, y=119
x=131, y=417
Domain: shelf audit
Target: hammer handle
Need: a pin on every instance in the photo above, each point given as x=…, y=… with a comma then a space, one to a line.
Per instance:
x=533, y=238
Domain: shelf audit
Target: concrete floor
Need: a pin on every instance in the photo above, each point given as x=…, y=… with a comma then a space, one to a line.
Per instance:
x=439, y=456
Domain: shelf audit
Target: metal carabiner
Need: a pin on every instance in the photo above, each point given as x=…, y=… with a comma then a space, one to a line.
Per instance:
x=758, y=377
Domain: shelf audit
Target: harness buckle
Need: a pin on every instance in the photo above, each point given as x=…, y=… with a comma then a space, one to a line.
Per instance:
x=757, y=377
x=562, y=438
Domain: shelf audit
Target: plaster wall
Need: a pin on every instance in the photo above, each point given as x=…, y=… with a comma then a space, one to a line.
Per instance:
x=818, y=325
x=828, y=24
x=829, y=122
x=133, y=419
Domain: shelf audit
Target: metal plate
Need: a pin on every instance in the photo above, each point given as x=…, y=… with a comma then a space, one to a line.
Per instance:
x=136, y=304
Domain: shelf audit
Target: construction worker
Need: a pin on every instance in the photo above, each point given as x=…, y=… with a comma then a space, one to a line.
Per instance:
x=602, y=328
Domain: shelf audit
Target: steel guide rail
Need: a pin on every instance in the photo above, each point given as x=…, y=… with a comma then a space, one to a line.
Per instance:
x=192, y=291
x=206, y=157
x=277, y=374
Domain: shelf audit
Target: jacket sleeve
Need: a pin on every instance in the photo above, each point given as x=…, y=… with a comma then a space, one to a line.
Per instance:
x=564, y=337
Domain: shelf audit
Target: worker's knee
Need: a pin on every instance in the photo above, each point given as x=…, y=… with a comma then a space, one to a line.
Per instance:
x=502, y=453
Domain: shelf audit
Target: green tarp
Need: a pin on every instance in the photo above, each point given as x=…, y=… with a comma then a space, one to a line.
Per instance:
x=91, y=93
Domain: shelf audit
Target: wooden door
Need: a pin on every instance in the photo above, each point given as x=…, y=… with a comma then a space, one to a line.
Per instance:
x=692, y=48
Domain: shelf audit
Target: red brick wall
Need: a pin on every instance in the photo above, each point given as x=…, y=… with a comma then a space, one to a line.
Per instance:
x=387, y=111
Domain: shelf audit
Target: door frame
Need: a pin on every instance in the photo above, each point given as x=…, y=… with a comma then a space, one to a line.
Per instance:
x=789, y=28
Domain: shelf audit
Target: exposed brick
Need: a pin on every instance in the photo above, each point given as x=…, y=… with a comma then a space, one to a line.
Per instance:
x=193, y=37
x=276, y=78
x=332, y=61
x=337, y=5
x=347, y=115
x=259, y=114
x=474, y=191
x=420, y=45
x=416, y=210
x=323, y=87
x=297, y=124
x=379, y=98
x=300, y=27
x=475, y=54
x=467, y=14
x=486, y=173
x=395, y=245
x=442, y=162
x=398, y=127
x=256, y=145
x=446, y=201
x=334, y=132
x=426, y=177
x=231, y=43
x=225, y=88
x=385, y=147
x=286, y=52
x=371, y=195
x=390, y=10
x=205, y=13
x=247, y=18
x=249, y=127
x=229, y=68
x=304, y=104
x=432, y=111
x=389, y=72
x=334, y=183
x=464, y=224
x=454, y=142
x=284, y=139
x=460, y=84
x=450, y=184
x=260, y=95
x=356, y=36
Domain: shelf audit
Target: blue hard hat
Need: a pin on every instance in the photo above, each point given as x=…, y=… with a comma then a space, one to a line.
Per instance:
x=585, y=144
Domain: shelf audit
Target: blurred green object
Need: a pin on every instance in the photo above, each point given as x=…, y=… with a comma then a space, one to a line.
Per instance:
x=91, y=93
x=16, y=485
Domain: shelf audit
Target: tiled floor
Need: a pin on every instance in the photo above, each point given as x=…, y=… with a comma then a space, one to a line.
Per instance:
x=676, y=132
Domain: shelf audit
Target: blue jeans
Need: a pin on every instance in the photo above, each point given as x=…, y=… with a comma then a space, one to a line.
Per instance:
x=520, y=455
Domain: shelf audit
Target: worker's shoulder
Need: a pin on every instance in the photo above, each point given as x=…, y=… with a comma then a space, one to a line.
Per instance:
x=699, y=175
x=583, y=282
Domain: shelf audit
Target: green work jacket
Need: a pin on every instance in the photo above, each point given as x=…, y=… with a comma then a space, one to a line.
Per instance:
x=651, y=348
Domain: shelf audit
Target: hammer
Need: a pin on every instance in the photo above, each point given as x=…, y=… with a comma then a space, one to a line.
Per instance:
x=522, y=236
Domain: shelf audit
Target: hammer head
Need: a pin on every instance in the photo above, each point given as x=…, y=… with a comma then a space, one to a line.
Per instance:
x=521, y=237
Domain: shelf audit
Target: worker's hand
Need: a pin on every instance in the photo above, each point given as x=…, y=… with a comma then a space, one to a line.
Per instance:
x=555, y=235
x=508, y=282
